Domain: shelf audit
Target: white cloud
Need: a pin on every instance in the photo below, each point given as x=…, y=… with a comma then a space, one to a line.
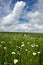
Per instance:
x=13, y=17
x=25, y=27
x=5, y=7
x=34, y=17
x=40, y=5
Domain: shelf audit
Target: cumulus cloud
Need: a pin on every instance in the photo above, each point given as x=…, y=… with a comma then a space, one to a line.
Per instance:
x=13, y=17
x=35, y=19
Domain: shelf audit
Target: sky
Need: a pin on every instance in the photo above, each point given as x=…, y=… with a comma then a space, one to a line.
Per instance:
x=21, y=16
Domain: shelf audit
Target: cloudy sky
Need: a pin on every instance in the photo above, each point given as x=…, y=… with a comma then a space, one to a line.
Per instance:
x=21, y=16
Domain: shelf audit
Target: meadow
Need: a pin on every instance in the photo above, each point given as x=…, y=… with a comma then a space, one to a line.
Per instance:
x=21, y=48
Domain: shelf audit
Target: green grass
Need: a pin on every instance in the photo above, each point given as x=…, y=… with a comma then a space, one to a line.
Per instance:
x=28, y=48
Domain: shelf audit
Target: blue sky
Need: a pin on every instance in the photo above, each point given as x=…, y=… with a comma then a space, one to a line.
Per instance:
x=21, y=16
x=11, y=4
x=28, y=2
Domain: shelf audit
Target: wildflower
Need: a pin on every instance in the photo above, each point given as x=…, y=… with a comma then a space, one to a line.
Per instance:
x=15, y=61
x=33, y=45
x=38, y=52
x=4, y=48
x=22, y=45
x=28, y=43
x=18, y=53
x=26, y=49
x=21, y=48
x=22, y=42
x=34, y=53
x=24, y=34
x=36, y=45
x=13, y=53
x=16, y=46
x=4, y=63
x=2, y=41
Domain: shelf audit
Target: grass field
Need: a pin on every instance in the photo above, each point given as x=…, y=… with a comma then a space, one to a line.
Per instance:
x=21, y=49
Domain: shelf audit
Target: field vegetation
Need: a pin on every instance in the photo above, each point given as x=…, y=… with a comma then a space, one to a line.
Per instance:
x=21, y=48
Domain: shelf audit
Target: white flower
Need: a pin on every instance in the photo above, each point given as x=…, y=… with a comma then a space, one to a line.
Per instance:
x=26, y=49
x=38, y=52
x=4, y=48
x=19, y=47
x=33, y=45
x=18, y=52
x=28, y=43
x=22, y=42
x=15, y=61
x=36, y=45
x=24, y=34
x=4, y=63
x=16, y=46
x=2, y=41
x=22, y=45
x=34, y=53
x=13, y=53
